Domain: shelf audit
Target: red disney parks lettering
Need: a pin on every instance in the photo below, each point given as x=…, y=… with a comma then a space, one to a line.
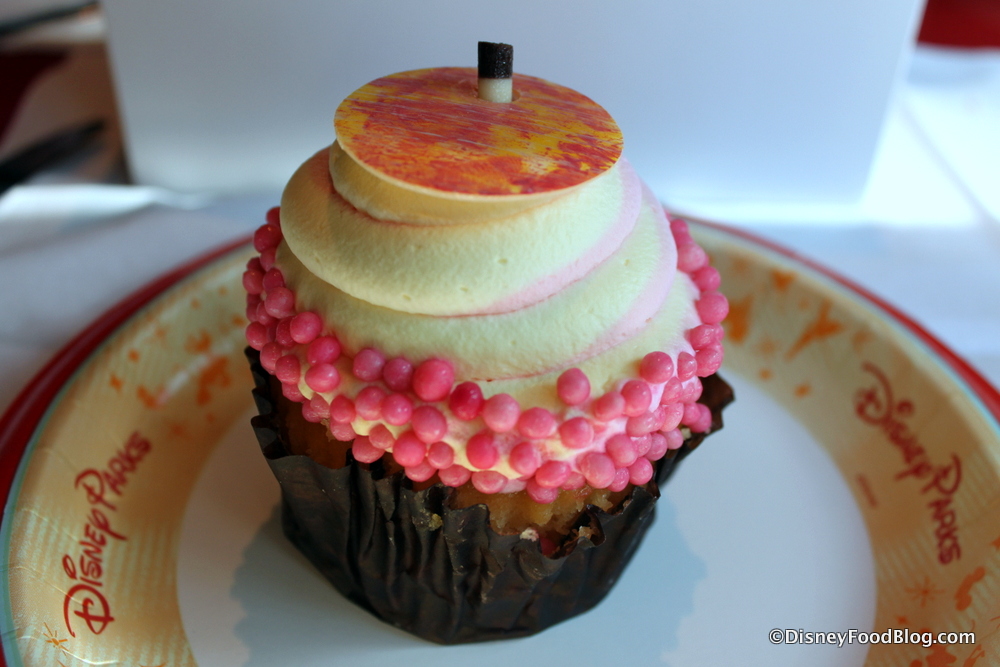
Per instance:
x=876, y=406
x=86, y=599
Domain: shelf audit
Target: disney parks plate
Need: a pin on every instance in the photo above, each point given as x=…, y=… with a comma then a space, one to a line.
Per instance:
x=848, y=514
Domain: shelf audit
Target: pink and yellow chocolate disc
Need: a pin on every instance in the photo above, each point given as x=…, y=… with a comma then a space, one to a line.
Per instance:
x=427, y=130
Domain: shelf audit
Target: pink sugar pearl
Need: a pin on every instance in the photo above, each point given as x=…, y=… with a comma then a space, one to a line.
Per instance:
x=707, y=279
x=643, y=444
x=279, y=302
x=287, y=369
x=429, y=424
x=573, y=387
x=709, y=360
x=291, y=392
x=637, y=396
x=466, y=401
x=256, y=335
x=690, y=257
x=501, y=412
x=620, y=481
x=441, y=455
x=697, y=417
x=342, y=432
x=541, y=494
x=674, y=439
x=691, y=391
x=432, y=379
x=367, y=365
x=421, y=472
x=342, y=410
x=455, y=475
x=273, y=216
x=552, y=474
x=309, y=414
x=368, y=402
x=322, y=378
x=525, y=458
x=656, y=367
x=482, y=451
x=598, y=469
x=253, y=302
x=323, y=350
x=305, y=327
x=576, y=433
x=671, y=391
x=263, y=316
x=657, y=447
x=267, y=259
x=269, y=355
x=398, y=374
x=574, y=481
x=641, y=424
x=687, y=366
x=381, y=437
x=320, y=406
x=679, y=229
x=488, y=481
x=673, y=413
x=253, y=281
x=640, y=472
x=536, y=423
x=283, y=333
x=364, y=451
x=712, y=307
x=621, y=449
x=266, y=236
x=703, y=335
x=272, y=280
x=397, y=409
x=253, y=264
x=409, y=450
x=609, y=406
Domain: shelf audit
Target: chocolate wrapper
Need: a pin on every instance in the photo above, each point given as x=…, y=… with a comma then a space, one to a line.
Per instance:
x=444, y=574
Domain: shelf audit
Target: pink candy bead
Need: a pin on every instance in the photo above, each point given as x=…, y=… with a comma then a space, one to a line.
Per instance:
x=552, y=474
x=320, y=406
x=671, y=391
x=272, y=280
x=432, y=379
x=273, y=216
x=291, y=392
x=397, y=409
x=253, y=264
x=621, y=449
x=637, y=397
x=256, y=335
x=323, y=378
x=540, y=494
x=620, y=481
x=283, y=333
x=368, y=402
x=701, y=420
x=441, y=455
x=690, y=257
x=707, y=279
x=269, y=356
x=673, y=413
x=287, y=369
x=466, y=401
x=367, y=365
x=481, y=450
x=253, y=281
x=640, y=472
x=536, y=423
x=323, y=350
x=309, y=414
x=267, y=259
x=679, y=229
x=364, y=451
x=501, y=412
x=709, y=360
x=409, y=450
x=398, y=374
x=657, y=447
x=429, y=424
x=342, y=432
x=643, y=444
x=674, y=439
x=687, y=366
x=279, y=302
x=342, y=410
x=609, y=406
x=573, y=387
x=656, y=367
x=421, y=472
x=263, y=316
x=712, y=307
x=266, y=236
x=574, y=481
x=598, y=469
x=305, y=327
x=488, y=481
x=703, y=335
x=381, y=437
x=525, y=458
x=691, y=391
x=456, y=475
x=641, y=424
x=576, y=433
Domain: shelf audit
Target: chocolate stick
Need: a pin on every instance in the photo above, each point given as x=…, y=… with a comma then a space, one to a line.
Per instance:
x=496, y=67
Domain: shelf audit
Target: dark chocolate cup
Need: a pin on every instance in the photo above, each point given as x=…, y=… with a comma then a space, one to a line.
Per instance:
x=444, y=574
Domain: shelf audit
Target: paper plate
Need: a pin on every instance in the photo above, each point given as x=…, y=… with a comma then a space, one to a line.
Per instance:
x=856, y=487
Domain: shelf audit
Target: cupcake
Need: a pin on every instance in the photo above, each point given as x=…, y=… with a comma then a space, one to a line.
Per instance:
x=479, y=346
